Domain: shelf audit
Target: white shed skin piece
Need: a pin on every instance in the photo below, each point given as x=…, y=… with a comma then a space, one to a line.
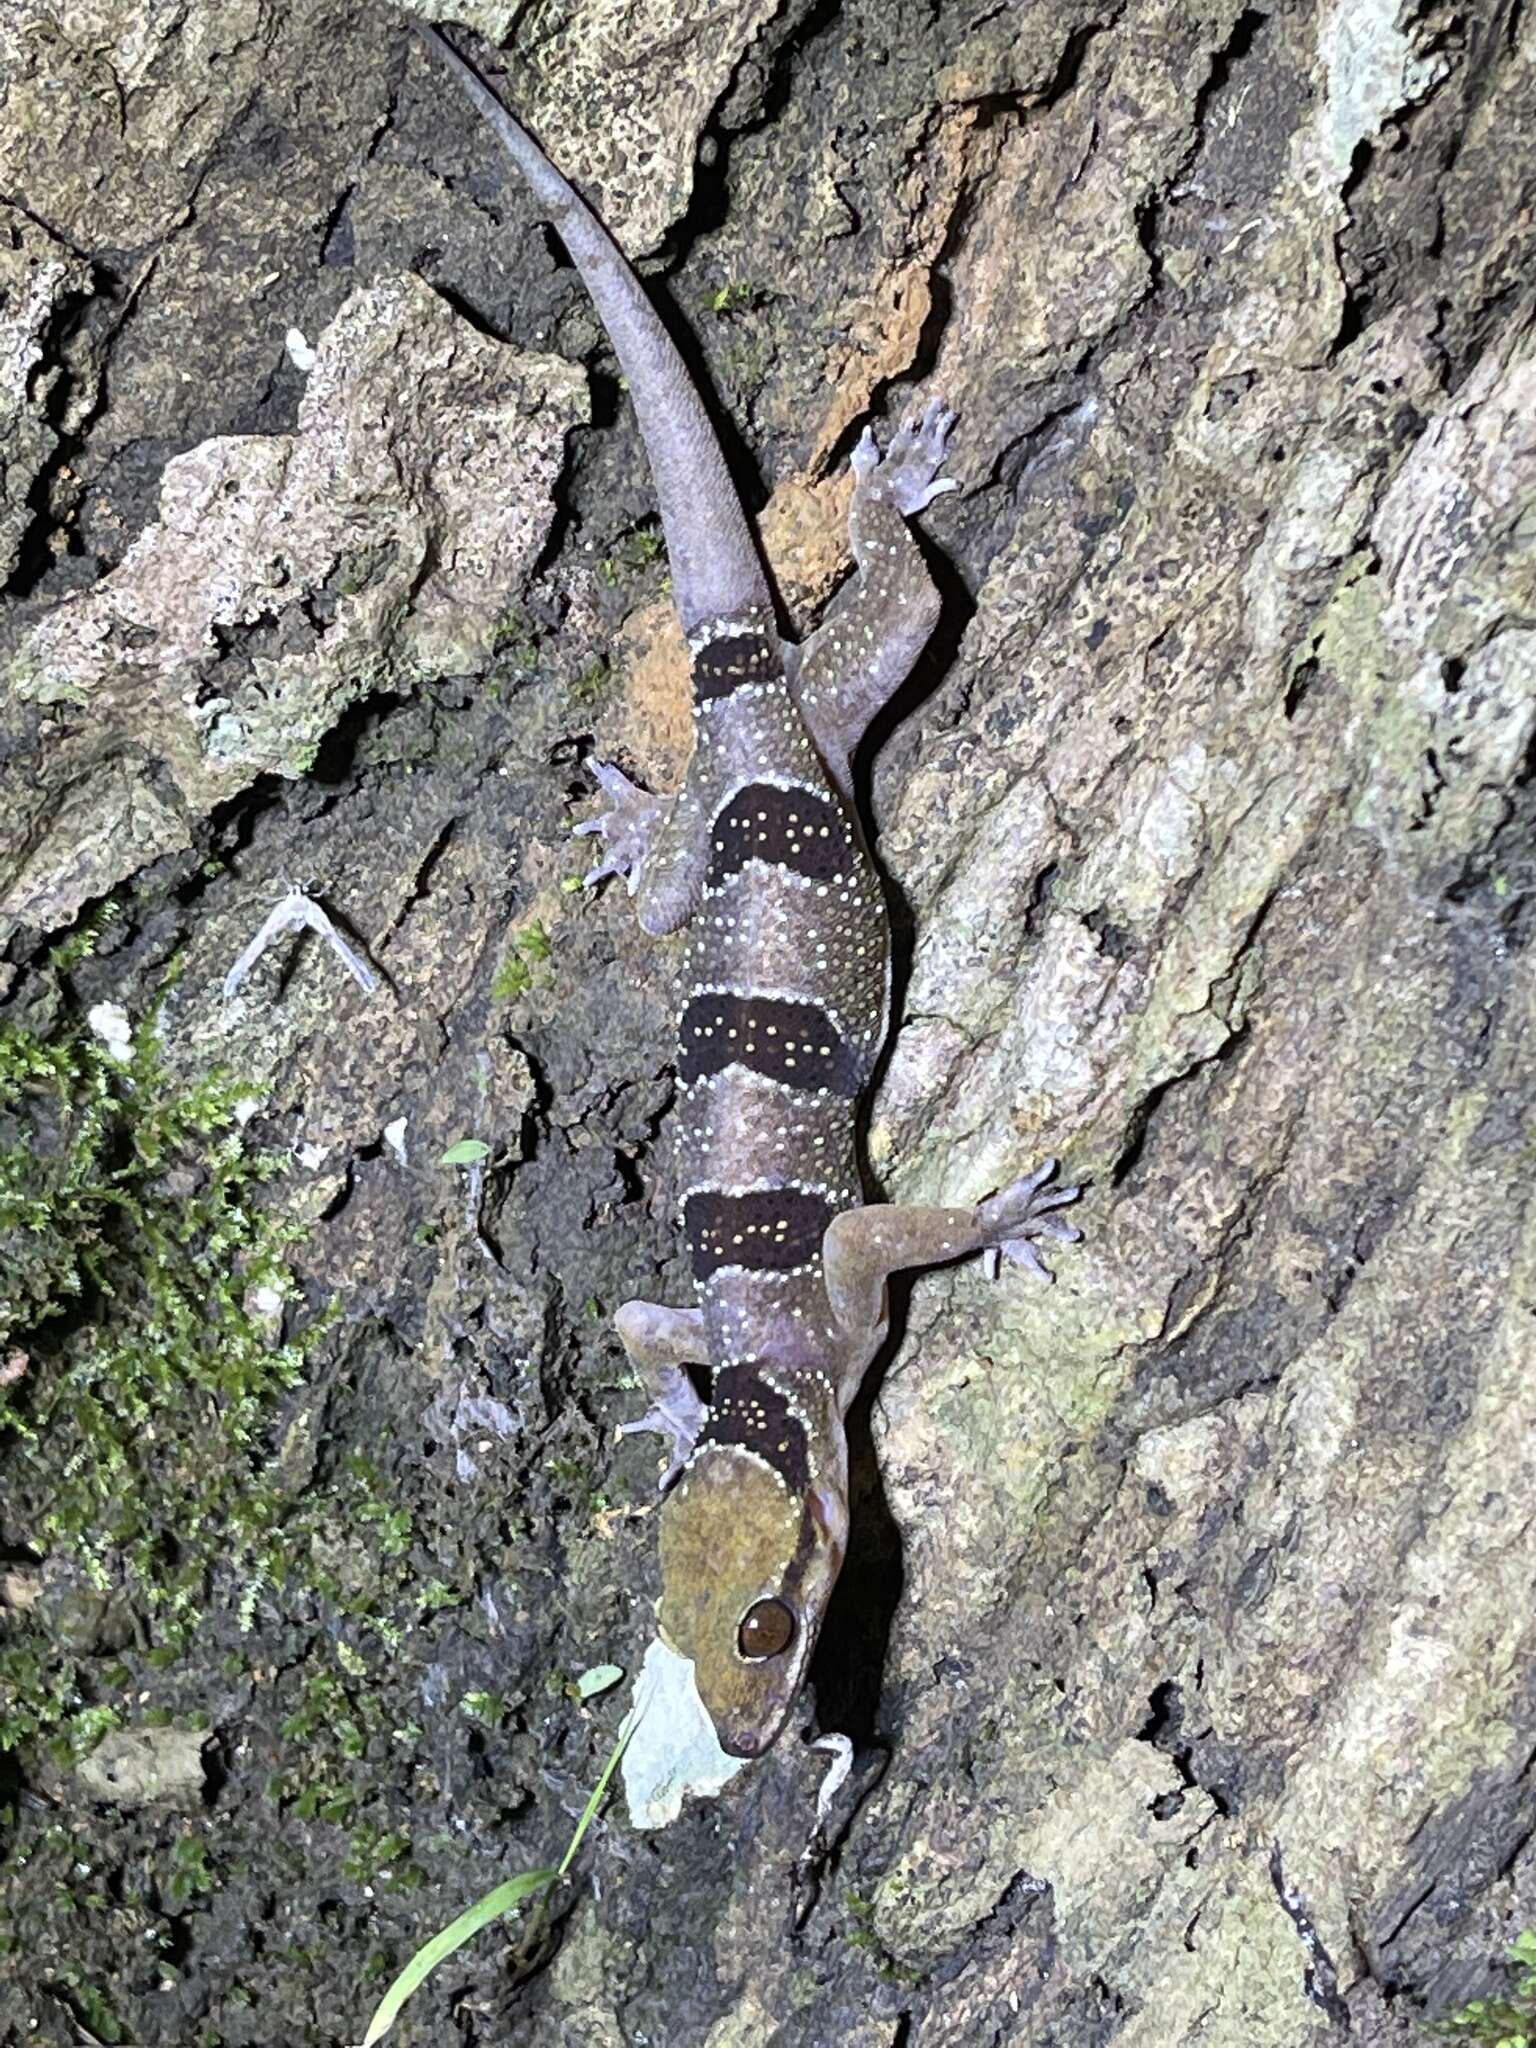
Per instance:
x=784, y=1011
x=300, y=912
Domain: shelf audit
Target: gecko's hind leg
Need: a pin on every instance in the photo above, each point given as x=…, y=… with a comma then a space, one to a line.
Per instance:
x=863, y=654
x=655, y=843
x=663, y=1343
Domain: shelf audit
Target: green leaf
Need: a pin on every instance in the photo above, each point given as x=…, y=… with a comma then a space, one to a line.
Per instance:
x=467, y=1152
x=597, y=1680
x=452, y=1938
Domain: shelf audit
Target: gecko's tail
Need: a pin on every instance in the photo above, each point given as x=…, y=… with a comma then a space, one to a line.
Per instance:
x=716, y=569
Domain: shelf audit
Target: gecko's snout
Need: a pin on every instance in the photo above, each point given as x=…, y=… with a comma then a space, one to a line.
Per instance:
x=747, y=1743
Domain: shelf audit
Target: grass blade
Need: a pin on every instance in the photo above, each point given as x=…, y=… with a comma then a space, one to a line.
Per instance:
x=626, y=1729
x=495, y=1903
x=453, y=1936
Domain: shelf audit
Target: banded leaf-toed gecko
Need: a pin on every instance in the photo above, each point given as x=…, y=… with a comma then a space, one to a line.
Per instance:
x=785, y=1007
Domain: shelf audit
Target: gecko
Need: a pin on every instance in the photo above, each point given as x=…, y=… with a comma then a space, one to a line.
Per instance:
x=784, y=1009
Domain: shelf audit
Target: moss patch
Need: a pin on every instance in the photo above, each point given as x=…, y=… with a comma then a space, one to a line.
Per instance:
x=1502, y=2022
x=142, y=1306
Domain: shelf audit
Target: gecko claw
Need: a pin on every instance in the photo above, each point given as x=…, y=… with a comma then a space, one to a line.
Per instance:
x=677, y=1414
x=1019, y=1216
x=628, y=827
x=909, y=474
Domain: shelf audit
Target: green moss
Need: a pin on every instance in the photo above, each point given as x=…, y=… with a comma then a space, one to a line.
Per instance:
x=381, y=1857
x=589, y=687
x=517, y=974
x=1501, y=2022
x=485, y=1707
x=360, y=568
x=142, y=1275
x=859, y=1933
x=514, y=640
x=636, y=552
x=191, y=1873
x=81, y=943
x=90, y=2005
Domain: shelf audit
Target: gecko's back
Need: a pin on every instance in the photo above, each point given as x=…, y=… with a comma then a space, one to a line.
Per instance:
x=783, y=1011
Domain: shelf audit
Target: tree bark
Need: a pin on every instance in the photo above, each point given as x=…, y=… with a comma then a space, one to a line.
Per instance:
x=1187, y=1640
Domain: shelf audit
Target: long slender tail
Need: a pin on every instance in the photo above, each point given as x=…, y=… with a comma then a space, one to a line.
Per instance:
x=716, y=570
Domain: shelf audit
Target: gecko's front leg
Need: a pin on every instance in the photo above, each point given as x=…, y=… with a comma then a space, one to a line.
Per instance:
x=863, y=1247
x=663, y=1343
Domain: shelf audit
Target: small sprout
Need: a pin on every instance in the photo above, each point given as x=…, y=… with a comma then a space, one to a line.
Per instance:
x=487, y=1707
x=530, y=948
x=572, y=885
x=466, y=1152
x=599, y=1678
x=735, y=296
x=536, y=1885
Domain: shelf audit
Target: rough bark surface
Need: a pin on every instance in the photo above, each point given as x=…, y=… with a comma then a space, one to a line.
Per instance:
x=1188, y=1642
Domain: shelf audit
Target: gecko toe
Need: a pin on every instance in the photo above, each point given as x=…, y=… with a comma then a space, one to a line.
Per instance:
x=865, y=459
x=628, y=827
x=1020, y=1251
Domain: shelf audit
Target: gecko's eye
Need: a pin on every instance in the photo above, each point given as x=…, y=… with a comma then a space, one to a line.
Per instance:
x=767, y=1629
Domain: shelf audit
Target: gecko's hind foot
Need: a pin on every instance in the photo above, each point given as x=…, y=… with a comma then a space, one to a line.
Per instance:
x=627, y=827
x=908, y=475
x=677, y=1414
x=1019, y=1215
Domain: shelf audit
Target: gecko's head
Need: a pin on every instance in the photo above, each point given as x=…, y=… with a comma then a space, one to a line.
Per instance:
x=750, y=1553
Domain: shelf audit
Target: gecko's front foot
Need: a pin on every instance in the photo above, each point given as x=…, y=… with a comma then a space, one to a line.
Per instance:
x=1016, y=1217
x=908, y=476
x=627, y=828
x=677, y=1414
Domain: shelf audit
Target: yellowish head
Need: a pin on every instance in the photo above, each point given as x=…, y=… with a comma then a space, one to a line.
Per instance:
x=747, y=1568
